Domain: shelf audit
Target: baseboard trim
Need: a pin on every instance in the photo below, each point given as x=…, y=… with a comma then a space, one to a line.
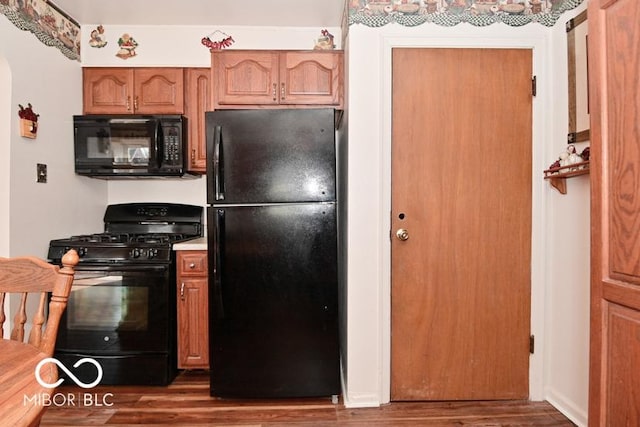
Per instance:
x=577, y=415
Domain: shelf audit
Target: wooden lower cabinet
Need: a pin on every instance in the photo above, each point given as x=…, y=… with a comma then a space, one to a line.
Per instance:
x=192, y=310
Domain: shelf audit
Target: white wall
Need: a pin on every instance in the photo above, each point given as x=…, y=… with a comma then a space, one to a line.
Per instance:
x=566, y=377
x=5, y=153
x=367, y=375
x=66, y=204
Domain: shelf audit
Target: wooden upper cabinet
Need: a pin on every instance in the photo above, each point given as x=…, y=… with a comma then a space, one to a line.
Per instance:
x=244, y=78
x=108, y=90
x=311, y=78
x=283, y=79
x=197, y=102
x=159, y=90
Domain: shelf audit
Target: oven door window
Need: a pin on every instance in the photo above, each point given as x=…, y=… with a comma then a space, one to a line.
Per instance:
x=119, y=311
x=122, y=307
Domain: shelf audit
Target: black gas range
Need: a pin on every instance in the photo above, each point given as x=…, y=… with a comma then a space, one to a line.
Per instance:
x=121, y=311
x=134, y=233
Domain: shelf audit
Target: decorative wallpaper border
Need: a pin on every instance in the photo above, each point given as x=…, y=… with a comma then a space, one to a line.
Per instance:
x=55, y=28
x=452, y=12
x=48, y=23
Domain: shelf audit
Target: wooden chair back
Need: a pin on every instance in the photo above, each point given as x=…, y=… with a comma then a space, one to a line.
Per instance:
x=32, y=276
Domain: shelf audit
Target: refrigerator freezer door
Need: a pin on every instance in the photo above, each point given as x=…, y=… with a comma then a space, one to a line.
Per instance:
x=270, y=156
x=273, y=301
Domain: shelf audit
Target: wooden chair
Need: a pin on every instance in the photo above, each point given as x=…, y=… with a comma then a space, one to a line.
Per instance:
x=25, y=275
x=21, y=392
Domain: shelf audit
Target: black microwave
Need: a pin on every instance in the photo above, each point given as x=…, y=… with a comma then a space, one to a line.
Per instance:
x=130, y=146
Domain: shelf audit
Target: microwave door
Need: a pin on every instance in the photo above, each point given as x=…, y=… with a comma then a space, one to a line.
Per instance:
x=133, y=142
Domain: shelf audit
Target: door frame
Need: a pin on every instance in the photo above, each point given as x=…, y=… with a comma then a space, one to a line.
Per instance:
x=540, y=134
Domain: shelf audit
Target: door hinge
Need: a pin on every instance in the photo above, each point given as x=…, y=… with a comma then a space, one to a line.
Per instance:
x=534, y=86
x=532, y=344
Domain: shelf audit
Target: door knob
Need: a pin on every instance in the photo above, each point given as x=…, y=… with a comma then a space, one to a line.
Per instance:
x=402, y=234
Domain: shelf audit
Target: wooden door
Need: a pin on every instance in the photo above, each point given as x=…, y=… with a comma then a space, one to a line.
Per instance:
x=197, y=102
x=614, y=88
x=461, y=188
x=311, y=78
x=158, y=91
x=244, y=78
x=107, y=90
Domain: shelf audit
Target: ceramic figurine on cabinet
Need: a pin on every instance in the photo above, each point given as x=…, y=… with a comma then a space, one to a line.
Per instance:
x=325, y=42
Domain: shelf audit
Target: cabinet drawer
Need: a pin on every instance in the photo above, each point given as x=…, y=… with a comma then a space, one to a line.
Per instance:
x=192, y=263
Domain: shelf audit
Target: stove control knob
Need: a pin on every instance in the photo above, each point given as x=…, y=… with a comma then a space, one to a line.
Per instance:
x=135, y=253
x=82, y=252
x=152, y=253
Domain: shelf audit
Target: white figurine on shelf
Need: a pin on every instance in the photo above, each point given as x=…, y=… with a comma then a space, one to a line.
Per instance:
x=574, y=157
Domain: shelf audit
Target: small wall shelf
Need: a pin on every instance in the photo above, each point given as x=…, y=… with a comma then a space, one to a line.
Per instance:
x=558, y=176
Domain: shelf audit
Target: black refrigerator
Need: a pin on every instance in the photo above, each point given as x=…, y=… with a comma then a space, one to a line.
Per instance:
x=273, y=263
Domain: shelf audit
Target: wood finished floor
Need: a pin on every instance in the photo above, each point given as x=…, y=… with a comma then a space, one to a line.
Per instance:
x=186, y=402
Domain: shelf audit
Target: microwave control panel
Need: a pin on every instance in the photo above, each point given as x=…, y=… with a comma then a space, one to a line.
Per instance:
x=172, y=145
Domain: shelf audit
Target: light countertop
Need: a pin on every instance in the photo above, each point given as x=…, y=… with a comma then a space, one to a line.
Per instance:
x=199, y=244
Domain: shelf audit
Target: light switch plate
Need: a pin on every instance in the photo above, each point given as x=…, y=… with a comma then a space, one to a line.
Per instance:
x=42, y=172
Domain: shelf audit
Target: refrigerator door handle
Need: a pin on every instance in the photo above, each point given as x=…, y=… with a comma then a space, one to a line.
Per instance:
x=218, y=261
x=218, y=163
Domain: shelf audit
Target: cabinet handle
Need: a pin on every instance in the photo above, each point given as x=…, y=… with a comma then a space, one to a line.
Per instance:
x=275, y=88
x=135, y=103
x=128, y=103
x=192, y=265
x=282, y=92
x=182, y=291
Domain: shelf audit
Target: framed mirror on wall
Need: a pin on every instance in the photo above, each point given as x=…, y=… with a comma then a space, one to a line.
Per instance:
x=578, y=79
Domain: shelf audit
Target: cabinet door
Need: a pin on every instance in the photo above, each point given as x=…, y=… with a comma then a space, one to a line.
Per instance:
x=193, y=310
x=311, y=78
x=615, y=255
x=245, y=78
x=107, y=90
x=197, y=101
x=158, y=90
x=193, y=323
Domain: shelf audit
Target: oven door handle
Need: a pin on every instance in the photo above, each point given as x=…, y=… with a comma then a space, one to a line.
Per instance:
x=218, y=262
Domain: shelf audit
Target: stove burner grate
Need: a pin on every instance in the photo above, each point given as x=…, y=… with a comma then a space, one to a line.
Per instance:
x=101, y=238
x=152, y=238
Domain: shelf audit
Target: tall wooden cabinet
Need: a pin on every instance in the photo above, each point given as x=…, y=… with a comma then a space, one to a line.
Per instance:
x=112, y=90
x=197, y=102
x=192, y=309
x=614, y=106
x=277, y=79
